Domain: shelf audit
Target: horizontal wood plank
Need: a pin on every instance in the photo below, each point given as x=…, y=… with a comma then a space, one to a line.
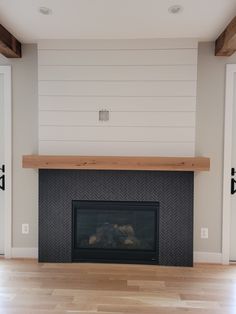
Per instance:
x=124, y=104
x=114, y=44
x=159, y=119
x=113, y=134
x=124, y=88
x=117, y=57
x=112, y=73
x=172, y=149
x=117, y=163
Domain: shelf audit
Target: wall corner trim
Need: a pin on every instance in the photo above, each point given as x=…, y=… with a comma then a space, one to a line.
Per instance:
x=207, y=257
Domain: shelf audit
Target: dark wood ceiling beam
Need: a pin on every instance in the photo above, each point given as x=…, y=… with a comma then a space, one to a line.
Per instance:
x=225, y=44
x=10, y=47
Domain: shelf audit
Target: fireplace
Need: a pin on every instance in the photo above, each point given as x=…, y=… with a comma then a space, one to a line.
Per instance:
x=109, y=231
x=67, y=197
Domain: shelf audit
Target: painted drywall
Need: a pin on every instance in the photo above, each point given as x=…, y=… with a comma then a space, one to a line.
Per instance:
x=209, y=142
x=25, y=141
x=148, y=86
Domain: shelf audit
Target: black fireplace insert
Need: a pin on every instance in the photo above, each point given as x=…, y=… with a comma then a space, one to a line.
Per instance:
x=108, y=231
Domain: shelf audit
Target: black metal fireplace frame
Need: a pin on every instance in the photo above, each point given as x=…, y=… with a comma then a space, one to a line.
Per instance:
x=110, y=255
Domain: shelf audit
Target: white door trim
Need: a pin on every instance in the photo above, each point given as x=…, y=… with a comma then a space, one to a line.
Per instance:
x=228, y=127
x=6, y=71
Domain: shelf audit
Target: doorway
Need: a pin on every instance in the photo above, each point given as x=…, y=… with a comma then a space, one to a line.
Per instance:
x=229, y=174
x=232, y=253
x=2, y=161
x=5, y=160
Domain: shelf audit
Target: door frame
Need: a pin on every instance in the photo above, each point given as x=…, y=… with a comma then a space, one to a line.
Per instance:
x=227, y=163
x=7, y=103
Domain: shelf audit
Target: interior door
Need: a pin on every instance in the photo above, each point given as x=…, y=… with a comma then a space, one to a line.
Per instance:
x=233, y=184
x=2, y=161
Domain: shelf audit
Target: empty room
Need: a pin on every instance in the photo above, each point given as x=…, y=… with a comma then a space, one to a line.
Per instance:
x=117, y=156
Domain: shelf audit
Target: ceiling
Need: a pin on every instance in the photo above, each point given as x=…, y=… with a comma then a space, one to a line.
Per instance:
x=203, y=19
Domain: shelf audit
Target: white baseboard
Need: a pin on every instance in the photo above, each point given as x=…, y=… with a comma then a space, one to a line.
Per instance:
x=207, y=257
x=199, y=257
x=27, y=252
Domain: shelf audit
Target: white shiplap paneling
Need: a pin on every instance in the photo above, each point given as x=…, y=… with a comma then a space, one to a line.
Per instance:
x=118, y=57
x=117, y=104
x=118, y=73
x=117, y=148
x=133, y=118
x=124, y=88
x=149, y=86
x=117, y=44
x=116, y=134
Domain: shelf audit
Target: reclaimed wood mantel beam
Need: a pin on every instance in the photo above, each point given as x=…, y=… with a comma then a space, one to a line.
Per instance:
x=10, y=47
x=117, y=163
x=225, y=44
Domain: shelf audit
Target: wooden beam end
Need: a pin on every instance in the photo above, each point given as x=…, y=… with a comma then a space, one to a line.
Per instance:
x=225, y=44
x=10, y=47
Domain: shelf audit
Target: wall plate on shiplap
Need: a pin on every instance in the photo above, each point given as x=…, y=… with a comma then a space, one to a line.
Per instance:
x=148, y=87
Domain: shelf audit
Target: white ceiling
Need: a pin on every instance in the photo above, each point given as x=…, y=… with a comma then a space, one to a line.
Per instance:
x=203, y=19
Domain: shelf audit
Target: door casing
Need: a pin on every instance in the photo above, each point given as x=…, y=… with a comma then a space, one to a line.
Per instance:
x=5, y=70
x=227, y=164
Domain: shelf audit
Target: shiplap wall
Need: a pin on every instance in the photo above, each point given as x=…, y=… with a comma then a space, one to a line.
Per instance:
x=149, y=87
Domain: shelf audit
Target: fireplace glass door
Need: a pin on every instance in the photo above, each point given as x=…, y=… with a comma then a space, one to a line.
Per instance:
x=115, y=231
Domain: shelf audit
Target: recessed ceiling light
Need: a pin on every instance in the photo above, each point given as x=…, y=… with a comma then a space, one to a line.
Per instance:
x=45, y=11
x=175, y=9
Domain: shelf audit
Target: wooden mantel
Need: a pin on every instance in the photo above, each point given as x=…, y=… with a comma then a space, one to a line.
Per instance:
x=117, y=163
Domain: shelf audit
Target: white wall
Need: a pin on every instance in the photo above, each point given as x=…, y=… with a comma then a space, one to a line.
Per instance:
x=149, y=87
x=209, y=142
x=25, y=141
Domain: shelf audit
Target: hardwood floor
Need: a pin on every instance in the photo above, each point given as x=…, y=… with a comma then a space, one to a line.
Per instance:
x=28, y=287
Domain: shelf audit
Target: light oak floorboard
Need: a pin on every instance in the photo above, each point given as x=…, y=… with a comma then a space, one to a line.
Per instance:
x=27, y=286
